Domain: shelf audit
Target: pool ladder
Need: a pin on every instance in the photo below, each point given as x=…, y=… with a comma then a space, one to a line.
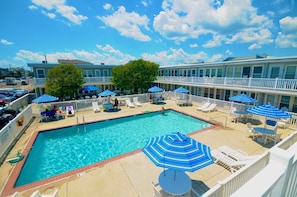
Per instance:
x=84, y=124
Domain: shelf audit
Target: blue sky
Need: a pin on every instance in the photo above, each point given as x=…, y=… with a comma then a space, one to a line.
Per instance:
x=163, y=31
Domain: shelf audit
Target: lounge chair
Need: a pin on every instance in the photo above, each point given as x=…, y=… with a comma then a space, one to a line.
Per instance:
x=69, y=111
x=274, y=138
x=95, y=107
x=204, y=106
x=37, y=194
x=227, y=162
x=238, y=155
x=129, y=104
x=136, y=102
x=212, y=107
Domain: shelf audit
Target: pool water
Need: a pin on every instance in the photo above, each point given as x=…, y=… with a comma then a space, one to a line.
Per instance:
x=61, y=150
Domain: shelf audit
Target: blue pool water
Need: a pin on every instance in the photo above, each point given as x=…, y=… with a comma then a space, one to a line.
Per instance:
x=61, y=150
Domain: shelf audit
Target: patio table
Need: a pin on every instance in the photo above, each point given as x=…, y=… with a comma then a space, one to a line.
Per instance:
x=264, y=131
x=174, y=182
x=242, y=115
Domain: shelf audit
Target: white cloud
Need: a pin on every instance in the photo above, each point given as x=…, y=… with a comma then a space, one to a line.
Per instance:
x=128, y=24
x=33, y=7
x=6, y=42
x=228, y=52
x=254, y=46
x=194, y=45
x=50, y=15
x=287, y=37
x=60, y=7
x=107, y=6
x=181, y=20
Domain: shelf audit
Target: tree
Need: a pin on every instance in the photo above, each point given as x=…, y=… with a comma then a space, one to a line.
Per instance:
x=64, y=80
x=137, y=74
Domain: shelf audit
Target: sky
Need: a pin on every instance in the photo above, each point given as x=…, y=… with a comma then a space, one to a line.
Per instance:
x=166, y=32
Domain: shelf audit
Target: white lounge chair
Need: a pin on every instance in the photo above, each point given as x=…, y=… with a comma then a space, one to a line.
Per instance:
x=69, y=111
x=238, y=155
x=136, y=102
x=283, y=122
x=212, y=107
x=250, y=131
x=227, y=162
x=204, y=106
x=95, y=107
x=37, y=194
x=158, y=191
x=129, y=104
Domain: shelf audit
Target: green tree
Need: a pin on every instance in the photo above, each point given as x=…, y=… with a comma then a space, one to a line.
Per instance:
x=64, y=81
x=135, y=75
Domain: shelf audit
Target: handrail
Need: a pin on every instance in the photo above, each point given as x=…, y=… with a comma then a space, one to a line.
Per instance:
x=214, y=117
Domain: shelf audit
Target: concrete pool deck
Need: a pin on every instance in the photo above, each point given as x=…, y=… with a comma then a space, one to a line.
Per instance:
x=133, y=174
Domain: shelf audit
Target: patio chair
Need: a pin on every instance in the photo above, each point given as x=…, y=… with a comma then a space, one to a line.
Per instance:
x=129, y=104
x=69, y=111
x=204, y=106
x=158, y=191
x=95, y=107
x=37, y=194
x=227, y=162
x=274, y=138
x=283, y=122
x=238, y=155
x=212, y=107
x=136, y=102
x=250, y=130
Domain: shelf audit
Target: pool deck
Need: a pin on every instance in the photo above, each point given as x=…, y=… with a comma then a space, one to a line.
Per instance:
x=133, y=173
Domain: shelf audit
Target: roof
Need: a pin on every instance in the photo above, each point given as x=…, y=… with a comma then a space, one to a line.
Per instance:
x=74, y=61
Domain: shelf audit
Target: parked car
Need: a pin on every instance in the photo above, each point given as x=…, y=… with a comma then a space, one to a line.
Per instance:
x=18, y=92
x=24, y=82
x=7, y=98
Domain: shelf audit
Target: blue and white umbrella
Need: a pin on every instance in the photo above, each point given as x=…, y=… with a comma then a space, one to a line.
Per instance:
x=45, y=98
x=107, y=93
x=178, y=152
x=270, y=111
x=181, y=90
x=155, y=89
x=243, y=98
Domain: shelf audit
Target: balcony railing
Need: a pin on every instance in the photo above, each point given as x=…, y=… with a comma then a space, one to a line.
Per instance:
x=260, y=83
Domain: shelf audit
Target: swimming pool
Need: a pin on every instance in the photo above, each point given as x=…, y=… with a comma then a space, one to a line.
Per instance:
x=61, y=150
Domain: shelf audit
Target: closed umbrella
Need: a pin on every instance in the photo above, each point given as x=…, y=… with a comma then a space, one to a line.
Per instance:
x=107, y=93
x=243, y=98
x=181, y=90
x=155, y=89
x=45, y=98
x=178, y=152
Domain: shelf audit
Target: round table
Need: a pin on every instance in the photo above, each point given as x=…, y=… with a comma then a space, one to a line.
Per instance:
x=175, y=182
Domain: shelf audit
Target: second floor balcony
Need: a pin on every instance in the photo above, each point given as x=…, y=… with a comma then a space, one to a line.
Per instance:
x=281, y=86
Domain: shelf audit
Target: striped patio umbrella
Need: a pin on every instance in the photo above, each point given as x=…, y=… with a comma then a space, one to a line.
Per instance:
x=155, y=89
x=270, y=111
x=178, y=152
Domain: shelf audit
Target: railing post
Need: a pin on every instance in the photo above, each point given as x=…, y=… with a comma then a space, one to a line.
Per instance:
x=275, y=83
x=250, y=81
x=225, y=80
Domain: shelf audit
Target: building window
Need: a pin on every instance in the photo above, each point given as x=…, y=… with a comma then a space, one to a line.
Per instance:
x=40, y=73
x=294, y=109
x=97, y=73
x=229, y=72
x=220, y=72
x=105, y=73
x=271, y=99
x=207, y=72
x=237, y=72
x=274, y=72
x=290, y=72
x=213, y=72
x=227, y=95
x=200, y=73
x=285, y=100
x=193, y=73
x=257, y=72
